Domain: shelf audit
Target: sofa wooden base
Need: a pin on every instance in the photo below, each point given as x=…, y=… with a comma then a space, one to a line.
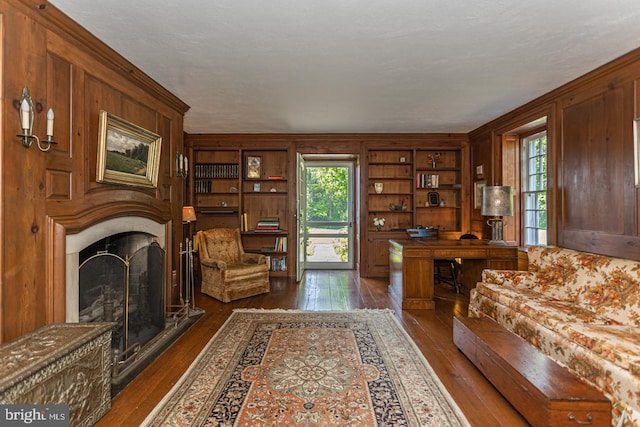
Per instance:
x=545, y=393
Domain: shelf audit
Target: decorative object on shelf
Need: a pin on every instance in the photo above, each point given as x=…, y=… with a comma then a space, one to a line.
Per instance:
x=25, y=107
x=256, y=187
x=182, y=165
x=434, y=198
x=273, y=190
x=477, y=193
x=395, y=207
x=378, y=223
x=480, y=171
x=378, y=187
x=403, y=159
x=497, y=201
x=443, y=204
x=433, y=158
x=254, y=167
x=127, y=154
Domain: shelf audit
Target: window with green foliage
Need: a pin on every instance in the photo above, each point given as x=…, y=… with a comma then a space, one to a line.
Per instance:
x=327, y=194
x=534, y=188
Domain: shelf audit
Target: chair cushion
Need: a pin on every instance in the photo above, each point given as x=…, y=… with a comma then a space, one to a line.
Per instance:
x=243, y=271
x=222, y=244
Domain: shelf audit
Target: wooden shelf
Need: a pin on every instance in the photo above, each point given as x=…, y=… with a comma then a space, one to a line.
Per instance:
x=225, y=197
x=399, y=181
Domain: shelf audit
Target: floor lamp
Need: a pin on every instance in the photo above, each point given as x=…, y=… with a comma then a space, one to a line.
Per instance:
x=188, y=216
x=497, y=201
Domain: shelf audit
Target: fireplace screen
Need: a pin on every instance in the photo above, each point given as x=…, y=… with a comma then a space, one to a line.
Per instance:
x=122, y=280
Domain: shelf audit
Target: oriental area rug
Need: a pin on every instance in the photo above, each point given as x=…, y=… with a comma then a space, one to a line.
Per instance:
x=304, y=368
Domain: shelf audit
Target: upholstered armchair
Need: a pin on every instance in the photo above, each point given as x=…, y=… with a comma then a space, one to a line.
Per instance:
x=228, y=273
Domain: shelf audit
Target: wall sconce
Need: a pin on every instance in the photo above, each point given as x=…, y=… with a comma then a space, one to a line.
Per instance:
x=25, y=107
x=182, y=165
x=497, y=201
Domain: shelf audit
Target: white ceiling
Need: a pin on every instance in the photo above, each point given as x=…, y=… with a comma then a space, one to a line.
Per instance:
x=289, y=66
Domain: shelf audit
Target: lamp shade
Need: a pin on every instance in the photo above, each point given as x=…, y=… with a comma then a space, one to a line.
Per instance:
x=497, y=201
x=188, y=214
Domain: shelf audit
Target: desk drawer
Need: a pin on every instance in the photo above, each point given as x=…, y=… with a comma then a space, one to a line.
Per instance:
x=460, y=253
x=503, y=252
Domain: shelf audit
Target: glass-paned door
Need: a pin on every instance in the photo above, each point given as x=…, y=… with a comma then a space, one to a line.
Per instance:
x=328, y=232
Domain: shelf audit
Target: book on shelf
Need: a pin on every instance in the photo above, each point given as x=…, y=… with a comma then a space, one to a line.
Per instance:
x=220, y=170
x=424, y=180
x=245, y=224
x=277, y=263
x=279, y=246
x=268, y=224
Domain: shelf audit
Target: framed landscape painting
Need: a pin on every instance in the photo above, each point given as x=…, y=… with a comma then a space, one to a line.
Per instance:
x=127, y=154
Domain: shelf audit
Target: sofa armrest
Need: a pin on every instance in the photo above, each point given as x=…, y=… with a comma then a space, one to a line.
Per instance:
x=517, y=278
x=213, y=263
x=254, y=259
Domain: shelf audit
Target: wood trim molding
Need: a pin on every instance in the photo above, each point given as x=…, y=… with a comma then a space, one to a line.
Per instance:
x=54, y=20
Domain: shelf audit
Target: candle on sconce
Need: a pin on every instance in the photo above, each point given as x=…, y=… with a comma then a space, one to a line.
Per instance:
x=25, y=115
x=50, y=117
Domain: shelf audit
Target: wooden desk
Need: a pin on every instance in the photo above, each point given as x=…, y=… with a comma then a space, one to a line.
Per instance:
x=411, y=266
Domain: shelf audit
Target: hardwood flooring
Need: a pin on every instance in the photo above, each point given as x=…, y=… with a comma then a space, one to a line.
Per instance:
x=329, y=290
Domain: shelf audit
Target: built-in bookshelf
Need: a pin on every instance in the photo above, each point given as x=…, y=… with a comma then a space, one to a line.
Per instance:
x=246, y=189
x=438, y=189
x=265, y=201
x=410, y=188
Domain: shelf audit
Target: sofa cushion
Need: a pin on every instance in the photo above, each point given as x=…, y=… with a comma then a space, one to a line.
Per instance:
x=613, y=290
x=618, y=343
x=551, y=312
x=558, y=272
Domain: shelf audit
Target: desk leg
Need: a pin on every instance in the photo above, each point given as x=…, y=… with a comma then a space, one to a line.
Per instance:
x=417, y=275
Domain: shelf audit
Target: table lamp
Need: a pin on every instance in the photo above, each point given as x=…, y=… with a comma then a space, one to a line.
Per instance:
x=188, y=214
x=497, y=201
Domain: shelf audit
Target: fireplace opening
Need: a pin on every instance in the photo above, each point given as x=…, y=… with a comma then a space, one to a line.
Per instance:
x=116, y=272
x=122, y=280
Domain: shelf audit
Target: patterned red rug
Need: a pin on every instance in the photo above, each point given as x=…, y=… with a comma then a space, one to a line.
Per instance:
x=293, y=368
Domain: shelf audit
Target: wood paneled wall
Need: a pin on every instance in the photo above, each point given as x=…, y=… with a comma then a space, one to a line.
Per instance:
x=46, y=196
x=593, y=202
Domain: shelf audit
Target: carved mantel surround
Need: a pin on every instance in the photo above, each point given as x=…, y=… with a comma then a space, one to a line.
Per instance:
x=63, y=231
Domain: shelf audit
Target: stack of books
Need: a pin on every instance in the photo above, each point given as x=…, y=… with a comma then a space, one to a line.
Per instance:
x=268, y=225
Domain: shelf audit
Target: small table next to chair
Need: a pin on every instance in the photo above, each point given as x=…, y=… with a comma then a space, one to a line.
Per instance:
x=411, y=266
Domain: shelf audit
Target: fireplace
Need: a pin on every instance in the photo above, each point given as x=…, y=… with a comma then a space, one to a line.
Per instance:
x=116, y=272
x=121, y=279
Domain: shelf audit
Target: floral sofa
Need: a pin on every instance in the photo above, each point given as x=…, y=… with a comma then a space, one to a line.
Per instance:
x=579, y=308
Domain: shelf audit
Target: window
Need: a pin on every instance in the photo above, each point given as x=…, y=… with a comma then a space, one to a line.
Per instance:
x=534, y=188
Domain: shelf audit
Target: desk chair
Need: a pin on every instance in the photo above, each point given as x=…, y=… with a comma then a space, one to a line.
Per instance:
x=451, y=265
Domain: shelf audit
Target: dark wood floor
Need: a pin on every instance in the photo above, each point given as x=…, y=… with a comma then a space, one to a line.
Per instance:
x=329, y=290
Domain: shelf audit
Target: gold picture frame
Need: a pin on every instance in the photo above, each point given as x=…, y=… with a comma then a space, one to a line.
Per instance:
x=254, y=167
x=127, y=153
x=477, y=193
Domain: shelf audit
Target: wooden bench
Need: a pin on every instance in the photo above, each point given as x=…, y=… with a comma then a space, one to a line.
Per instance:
x=544, y=392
